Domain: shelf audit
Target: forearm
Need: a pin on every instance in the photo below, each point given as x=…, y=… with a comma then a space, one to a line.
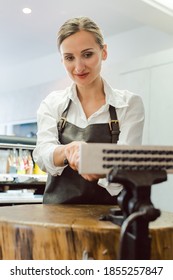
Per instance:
x=59, y=155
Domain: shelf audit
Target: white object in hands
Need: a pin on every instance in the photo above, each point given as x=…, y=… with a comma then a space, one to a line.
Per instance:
x=100, y=158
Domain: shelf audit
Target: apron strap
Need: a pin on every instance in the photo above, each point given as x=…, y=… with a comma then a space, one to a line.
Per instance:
x=63, y=118
x=114, y=124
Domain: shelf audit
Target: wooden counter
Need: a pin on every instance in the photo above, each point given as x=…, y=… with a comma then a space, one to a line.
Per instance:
x=65, y=232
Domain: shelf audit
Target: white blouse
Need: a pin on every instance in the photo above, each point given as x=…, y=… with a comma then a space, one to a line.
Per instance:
x=130, y=113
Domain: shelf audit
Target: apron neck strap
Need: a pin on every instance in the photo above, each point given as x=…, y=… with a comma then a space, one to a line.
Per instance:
x=63, y=118
x=114, y=124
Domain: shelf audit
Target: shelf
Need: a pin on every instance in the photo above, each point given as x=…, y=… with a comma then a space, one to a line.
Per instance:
x=7, y=139
x=22, y=178
x=20, y=200
x=16, y=146
x=20, y=188
x=15, y=182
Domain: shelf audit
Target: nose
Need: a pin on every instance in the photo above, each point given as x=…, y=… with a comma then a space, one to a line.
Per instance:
x=80, y=66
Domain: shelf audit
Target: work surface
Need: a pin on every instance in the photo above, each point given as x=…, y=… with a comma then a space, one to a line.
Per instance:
x=69, y=231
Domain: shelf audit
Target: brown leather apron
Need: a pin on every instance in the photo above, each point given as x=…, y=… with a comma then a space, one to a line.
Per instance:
x=70, y=187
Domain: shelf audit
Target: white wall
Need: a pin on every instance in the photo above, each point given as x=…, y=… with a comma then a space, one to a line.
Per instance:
x=33, y=80
x=136, y=43
x=152, y=77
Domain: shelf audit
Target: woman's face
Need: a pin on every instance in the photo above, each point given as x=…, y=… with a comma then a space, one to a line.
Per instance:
x=82, y=57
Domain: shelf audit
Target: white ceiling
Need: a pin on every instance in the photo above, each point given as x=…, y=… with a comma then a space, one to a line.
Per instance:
x=25, y=37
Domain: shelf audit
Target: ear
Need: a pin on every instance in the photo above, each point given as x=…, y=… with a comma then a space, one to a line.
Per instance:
x=104, y=52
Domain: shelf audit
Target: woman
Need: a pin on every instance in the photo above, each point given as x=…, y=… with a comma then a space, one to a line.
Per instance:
x=82, y=112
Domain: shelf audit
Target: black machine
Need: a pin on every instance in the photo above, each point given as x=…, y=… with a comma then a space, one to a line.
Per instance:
x=136, y=168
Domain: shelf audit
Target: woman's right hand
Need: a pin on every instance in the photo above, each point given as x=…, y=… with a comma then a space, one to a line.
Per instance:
x=71, y=152
x=72, y=155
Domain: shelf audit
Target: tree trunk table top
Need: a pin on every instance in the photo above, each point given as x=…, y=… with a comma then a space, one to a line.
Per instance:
x=67, y=232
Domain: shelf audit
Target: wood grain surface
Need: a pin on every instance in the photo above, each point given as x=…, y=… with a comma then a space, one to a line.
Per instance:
x=69, y=232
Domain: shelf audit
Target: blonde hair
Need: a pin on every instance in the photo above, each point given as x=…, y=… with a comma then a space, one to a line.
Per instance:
x=77, y=24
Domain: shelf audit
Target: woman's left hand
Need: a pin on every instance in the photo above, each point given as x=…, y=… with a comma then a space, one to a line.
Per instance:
x=92, y=177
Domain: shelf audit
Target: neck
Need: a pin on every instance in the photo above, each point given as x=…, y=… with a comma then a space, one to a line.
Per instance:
x=91, y=97
x=92, y=91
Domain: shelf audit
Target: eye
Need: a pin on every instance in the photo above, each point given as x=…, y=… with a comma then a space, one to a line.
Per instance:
x=69, y=58
x=88, y=54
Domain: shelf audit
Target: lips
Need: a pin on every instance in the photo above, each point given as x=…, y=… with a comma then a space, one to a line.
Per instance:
x=82, y=76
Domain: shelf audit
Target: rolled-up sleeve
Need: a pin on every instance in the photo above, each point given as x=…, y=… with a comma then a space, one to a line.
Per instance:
x=47, y=137
x=132, y=122
x=131, y=115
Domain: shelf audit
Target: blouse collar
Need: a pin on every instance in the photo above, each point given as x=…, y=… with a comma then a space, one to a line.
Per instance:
x=114, y=97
